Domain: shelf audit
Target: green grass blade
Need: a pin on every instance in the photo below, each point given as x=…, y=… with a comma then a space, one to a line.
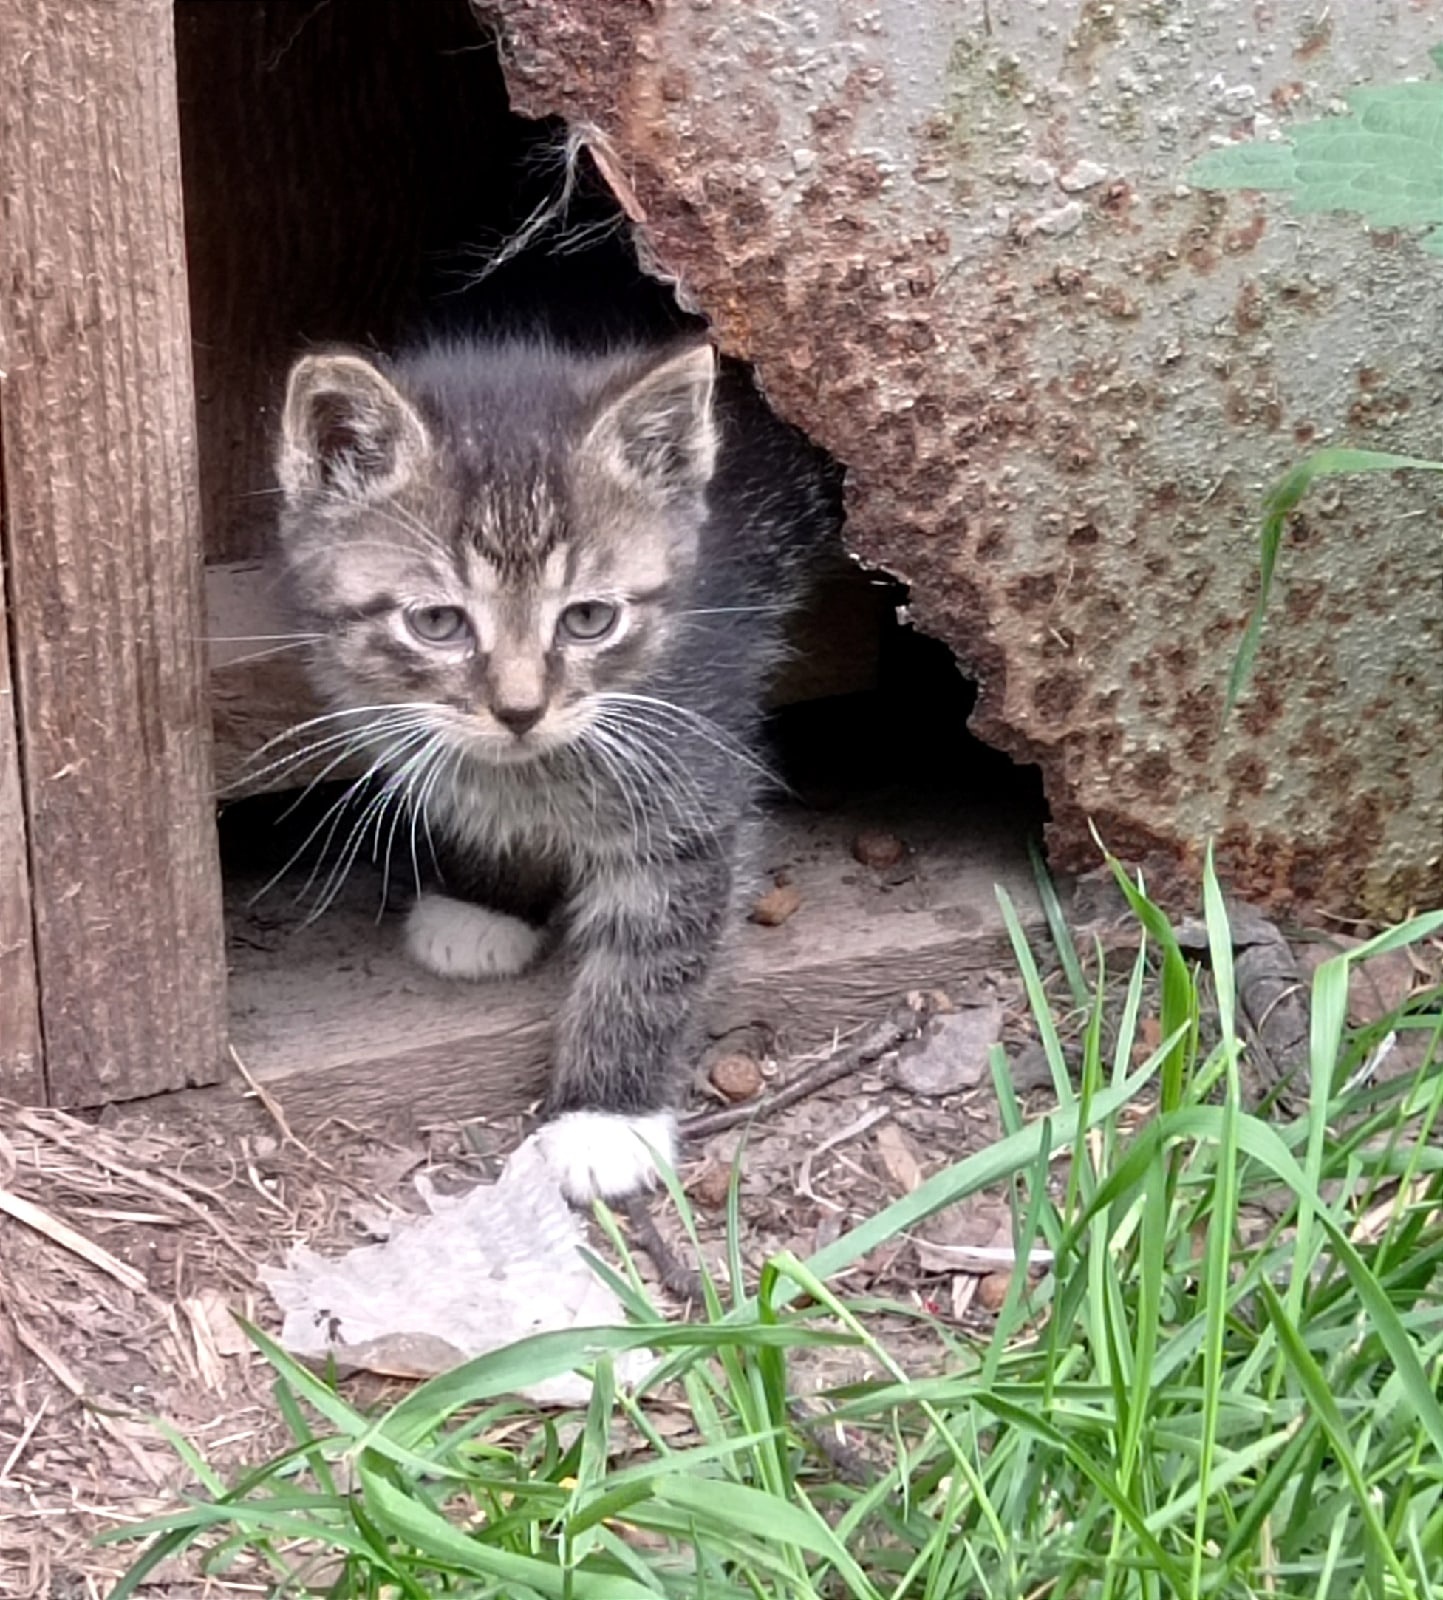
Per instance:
x=1261, y=1143
x=1179, y=997
x=1021, y=1419
x=1037, y=998
x=1281, y=501
x=406, y=1518
x=1223, y=1220
x=994, y=1165
x=1320, y=1398
x=765, y=1517
x=1057, y=927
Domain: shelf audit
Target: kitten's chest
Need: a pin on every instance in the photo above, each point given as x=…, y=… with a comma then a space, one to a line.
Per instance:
x=562, y=817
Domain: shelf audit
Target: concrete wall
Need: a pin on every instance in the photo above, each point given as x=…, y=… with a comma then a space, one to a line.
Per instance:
x=957, y=242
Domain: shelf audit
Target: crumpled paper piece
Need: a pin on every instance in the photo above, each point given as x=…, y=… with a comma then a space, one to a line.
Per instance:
x=482, y=1271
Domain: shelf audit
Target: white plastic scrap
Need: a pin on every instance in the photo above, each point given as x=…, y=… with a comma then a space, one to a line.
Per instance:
x=482, y=1271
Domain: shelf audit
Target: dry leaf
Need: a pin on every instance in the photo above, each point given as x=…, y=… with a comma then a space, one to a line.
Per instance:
x=208, y=1307
x=964, y=1291
x=899, y=1158
x=710, y=1186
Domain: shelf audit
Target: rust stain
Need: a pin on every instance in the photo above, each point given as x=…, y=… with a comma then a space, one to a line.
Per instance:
x=1315, y=36
x=1056, y=380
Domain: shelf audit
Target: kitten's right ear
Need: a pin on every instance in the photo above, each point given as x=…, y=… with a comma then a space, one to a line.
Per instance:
x=347, y=428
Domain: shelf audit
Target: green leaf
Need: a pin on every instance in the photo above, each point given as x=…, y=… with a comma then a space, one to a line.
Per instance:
x=1179, y=997
x=1245, y=166
x=764, y=1516
x=1325, y=1408
x=1221, y=1225
x=1057, y=927
x=407, y=1518
x=548, y=1355
x=1257, y=1140
x=998, y=1162
x=1382, y=162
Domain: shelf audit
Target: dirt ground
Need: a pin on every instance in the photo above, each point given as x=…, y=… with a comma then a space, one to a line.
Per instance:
x=126, y=1241
x=151, y=1224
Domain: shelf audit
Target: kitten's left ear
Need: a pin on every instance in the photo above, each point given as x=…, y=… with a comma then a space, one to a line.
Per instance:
x=660, y=432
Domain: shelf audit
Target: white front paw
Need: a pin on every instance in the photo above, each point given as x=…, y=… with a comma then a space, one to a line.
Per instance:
x=604, y=1154
x=454, y=939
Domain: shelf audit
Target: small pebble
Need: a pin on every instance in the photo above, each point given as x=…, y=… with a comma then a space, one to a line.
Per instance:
x=736, y=1077
x=952, y=1054
x=776, y=905
x=1084, y=175
x=878, y=850
x=711, y=1186
x=992, y=1290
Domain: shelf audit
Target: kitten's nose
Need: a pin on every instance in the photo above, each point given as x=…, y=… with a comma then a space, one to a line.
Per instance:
x=520, y=719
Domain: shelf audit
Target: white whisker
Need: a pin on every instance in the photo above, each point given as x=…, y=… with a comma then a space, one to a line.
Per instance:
x=262, y=655
x=256, y=638
x=390, y=792
x=346, y=711
x=734, y=611
x=419, y=811
x=432, y=754
x=703, y=727
x=332, y=815
x=672, y=784
x=358, y=738
x=353, y=748
x=615, y=770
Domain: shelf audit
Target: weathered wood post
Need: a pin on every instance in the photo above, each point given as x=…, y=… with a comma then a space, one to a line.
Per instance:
x=112, y=974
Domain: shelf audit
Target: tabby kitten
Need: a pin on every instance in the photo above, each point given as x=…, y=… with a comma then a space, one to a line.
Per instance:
x=548, y=590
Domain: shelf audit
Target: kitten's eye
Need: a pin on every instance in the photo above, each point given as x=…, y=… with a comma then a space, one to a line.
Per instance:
x=437, y=624
x=589, y=620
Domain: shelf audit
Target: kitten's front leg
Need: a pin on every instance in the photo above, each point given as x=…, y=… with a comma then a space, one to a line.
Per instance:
x=643, y=938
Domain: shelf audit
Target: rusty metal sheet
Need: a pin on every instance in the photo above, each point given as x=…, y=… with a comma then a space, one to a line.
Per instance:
x=957, y=244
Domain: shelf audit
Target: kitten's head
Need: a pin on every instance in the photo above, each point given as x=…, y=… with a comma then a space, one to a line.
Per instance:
x=498, y=537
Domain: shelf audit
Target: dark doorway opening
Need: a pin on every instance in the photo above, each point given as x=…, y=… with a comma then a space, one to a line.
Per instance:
x=354, y=175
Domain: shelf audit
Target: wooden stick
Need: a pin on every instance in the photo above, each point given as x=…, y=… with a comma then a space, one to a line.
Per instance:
x=61, y=1233
x=65, y=1376
x=273, y=1109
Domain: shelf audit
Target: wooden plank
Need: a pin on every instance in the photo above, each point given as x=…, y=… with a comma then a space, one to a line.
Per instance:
x=104, y=550
x=305, y=197
x=336, y=1022
x=21, y=1060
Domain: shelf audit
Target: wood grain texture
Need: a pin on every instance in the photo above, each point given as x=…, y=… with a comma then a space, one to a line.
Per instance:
x=22, y=1075
x=328, y=150
x=336, y=1022
x=104, y=550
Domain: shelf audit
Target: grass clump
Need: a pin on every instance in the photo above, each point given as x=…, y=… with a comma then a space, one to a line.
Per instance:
x=1225, y=1383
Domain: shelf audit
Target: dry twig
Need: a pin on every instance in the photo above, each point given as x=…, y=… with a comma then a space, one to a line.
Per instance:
x=58, y=1128
x=274, y=1111
x=61, y=1233
x=61, y=1371
x=905, y=1023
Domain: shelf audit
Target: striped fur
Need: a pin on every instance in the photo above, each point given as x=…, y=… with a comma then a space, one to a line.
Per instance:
x=503, y=484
